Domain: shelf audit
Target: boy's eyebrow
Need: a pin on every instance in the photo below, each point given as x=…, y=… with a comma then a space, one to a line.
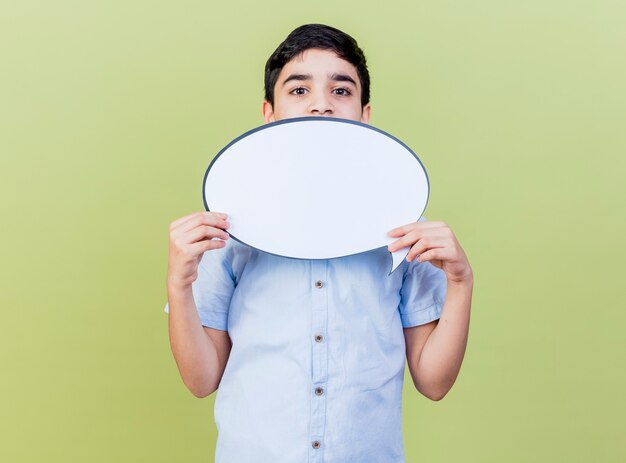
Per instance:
x=334, y=77
x=297, y=77
x=342, y=78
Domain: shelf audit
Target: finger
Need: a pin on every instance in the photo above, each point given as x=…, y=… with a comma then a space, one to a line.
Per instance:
x=438, y=240
x=416, y=250
x=433, y=254
x=204, y=218
x=433, y=235
x=202, y=232
x=403, y=230
x=428, y=242
x=429, y=236
x=196, y=215
x=206, y=245
x=407, y=240
x=177, y=222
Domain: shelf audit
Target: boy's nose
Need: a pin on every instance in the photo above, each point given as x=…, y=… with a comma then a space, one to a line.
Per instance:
x=321, y=107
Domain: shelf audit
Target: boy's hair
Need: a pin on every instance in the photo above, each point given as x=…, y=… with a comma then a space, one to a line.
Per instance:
x=317, y=36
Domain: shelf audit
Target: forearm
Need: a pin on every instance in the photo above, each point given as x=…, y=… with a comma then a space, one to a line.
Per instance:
x=195, y=353
x=442, y=355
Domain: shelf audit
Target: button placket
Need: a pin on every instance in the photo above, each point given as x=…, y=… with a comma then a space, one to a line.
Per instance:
x=319, y=320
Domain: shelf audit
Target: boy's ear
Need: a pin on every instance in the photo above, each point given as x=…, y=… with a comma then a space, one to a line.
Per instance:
x=365, y=113
x=268, y=112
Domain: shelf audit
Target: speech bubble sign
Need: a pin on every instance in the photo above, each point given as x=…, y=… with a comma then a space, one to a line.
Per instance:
x=317, y=188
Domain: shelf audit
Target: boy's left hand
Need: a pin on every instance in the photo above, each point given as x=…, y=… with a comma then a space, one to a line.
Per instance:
x=434, y=242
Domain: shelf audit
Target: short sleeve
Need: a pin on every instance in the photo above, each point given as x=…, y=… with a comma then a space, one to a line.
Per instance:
x=213, y=289
x=422, y=294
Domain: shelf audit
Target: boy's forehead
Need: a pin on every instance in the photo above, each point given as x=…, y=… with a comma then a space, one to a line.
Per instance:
x=319, y=62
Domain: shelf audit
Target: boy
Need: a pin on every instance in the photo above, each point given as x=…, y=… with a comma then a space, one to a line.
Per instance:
x=309, y=355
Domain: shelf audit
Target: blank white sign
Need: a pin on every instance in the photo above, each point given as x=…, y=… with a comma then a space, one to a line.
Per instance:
x=317, y=188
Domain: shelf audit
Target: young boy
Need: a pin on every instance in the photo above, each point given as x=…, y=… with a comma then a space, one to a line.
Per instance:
x=309, y=355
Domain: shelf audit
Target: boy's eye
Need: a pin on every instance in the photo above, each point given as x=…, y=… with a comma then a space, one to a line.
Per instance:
x=342, y=91
x=298, y=91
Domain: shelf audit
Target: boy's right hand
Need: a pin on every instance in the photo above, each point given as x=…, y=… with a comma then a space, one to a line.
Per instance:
x=190, y=237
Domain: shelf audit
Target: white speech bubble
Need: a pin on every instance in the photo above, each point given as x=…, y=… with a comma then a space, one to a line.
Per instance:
x=317, y=188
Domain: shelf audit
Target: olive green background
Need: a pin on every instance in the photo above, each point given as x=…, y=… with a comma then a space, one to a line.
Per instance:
x=110, y=113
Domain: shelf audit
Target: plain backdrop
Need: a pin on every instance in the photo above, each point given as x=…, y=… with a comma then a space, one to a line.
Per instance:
x=110, y=113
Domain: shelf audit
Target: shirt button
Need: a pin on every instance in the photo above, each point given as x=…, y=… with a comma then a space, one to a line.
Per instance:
x=319, y=338
x=316, y=444
x=319, y=390
x=319, y=284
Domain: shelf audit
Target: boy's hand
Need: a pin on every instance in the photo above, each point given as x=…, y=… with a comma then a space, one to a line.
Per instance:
x=434, y=242
x=190, y=237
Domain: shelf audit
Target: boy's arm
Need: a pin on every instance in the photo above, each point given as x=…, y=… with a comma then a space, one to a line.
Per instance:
x=435, y=350
x=200, y=352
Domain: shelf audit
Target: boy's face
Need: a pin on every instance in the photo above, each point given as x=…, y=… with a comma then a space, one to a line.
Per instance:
x=317, y=83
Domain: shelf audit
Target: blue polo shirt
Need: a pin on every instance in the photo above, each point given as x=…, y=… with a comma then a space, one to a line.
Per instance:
x=318, y=353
